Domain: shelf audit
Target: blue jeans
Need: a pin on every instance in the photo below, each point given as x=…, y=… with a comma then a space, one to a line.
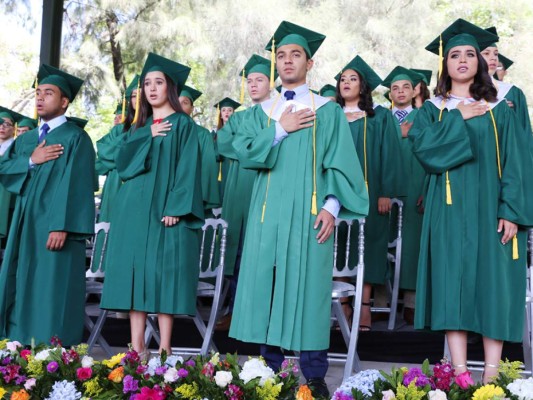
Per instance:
x=314, y=364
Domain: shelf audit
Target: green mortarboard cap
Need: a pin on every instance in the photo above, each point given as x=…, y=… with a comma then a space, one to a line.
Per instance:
x=191, y=93
x=12, y=115
x=27, y=122
x=78, y=121
x=258, y=64
x=400, y=73
x=175, y=71
x=118, y=109
x=426, y=74
x=69, y=84
x=134, y=84
x=505, y=61
x=462, y=33
x=328, y=91
x=494, y=31
x=359, y=65
x=289, y=33
x=227, y=102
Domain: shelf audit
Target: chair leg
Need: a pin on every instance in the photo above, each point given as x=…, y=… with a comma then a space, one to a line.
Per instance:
x=151, y=331
x=96, y=333
x=526, y=342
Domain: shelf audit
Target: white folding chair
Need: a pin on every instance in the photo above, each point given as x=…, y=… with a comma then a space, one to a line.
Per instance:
x=395, y=258
x=217, y=290
x=93, y=286
x=344, y=289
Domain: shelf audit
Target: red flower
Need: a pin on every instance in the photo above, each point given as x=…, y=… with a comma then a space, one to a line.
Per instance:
x=25, y=353
x=84, y=373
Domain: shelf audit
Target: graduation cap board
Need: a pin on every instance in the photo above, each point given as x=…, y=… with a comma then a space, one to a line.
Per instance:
x=362, y=68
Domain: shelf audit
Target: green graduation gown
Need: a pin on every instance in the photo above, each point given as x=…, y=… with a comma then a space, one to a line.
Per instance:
x=516, y=96
x=151, y=267
x=223, y=165
x=413, y=182
x=293, y=312
x=42, y=292
x=210, y=185
x=384, y=176
x=467, y=279
x=5, y=204
x=238, y=191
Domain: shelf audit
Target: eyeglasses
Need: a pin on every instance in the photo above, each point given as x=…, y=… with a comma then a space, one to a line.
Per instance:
x=6, y=124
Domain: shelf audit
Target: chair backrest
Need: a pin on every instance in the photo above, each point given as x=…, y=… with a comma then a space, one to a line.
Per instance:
x=217, y=247
x=344, y=241
x=92, y=273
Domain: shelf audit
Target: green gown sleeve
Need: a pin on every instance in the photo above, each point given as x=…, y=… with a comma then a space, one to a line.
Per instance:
x=440, y=145
x=226, y=135
x=520, y=108
x=15, y=165
x=253, y=142
x=107, y=150
x=210, y=187
x=73, y=201
x=133, y=156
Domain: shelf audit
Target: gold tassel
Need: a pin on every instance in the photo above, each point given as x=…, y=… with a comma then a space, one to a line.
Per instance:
x=137, y=103
x=448, y=190
x=123, y=118
x=515, y=248
x=391, y=103
x=263, y=212
x=35, y=115
x=243, y=81
x=220, y=171
x=441, y=56
x=16, y=129
x=272, y=63
x=366, y=184
x=314, y=210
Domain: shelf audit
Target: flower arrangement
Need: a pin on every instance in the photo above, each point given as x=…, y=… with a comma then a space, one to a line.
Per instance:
x=53, y=372
x=437, y=383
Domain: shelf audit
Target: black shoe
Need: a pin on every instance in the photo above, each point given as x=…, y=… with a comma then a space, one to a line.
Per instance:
x=318, y=387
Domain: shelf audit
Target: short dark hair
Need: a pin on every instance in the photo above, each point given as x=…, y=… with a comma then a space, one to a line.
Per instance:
x=365, y=99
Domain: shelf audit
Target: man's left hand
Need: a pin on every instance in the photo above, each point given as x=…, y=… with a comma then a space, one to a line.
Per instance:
x=56, y=240
x=328, y=225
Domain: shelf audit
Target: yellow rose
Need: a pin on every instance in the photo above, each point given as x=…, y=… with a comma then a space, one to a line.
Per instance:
x=113, y=360
x=117, y=375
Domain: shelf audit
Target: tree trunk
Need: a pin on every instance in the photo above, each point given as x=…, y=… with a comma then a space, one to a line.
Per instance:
x=116, y=53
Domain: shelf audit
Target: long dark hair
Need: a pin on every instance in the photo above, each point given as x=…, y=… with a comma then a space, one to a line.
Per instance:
x=145, y=109
x=481, y=88
x=365, y=97
x=424, y=93
x=130, y=114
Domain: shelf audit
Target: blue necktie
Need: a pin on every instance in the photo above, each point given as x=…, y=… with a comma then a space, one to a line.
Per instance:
x=44, y=130
x=401, y=114
x=289, y=94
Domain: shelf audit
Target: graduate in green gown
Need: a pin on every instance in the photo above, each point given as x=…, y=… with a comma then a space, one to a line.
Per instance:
x=378, y=151
x=300, y=145
x=511, y=93
x=471, y=275
x=402, y=82
x=8, y=124
x=106, y=152
x=504, y=64
x=153, y=253
x=239, y=183
x=225, y=109
x=25, y=124
x=328, y=91
x=51, y=171
x=210, y=187
x=422, y=88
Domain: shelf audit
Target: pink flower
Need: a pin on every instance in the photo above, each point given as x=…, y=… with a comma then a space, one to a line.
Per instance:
x=150, y=394
x=25, y=353
x=464, y=380
x=30, y=384
x=84, y=373
x=13, y=346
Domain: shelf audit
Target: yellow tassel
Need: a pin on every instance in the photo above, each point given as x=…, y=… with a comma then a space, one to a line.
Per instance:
x=123, y=118
x=391, y=104
x=272, y=63
x=35, y=115
x=137, y=103
x=366, y=184
x=441, y=56
x=243, y=81
x=263, y=212
x=314, y=210
x=515, y=248
x=448, y=191
x=220, y=171
x=16, y=129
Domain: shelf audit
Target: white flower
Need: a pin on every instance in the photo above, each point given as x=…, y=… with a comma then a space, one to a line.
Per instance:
x=171, y=375
x=64, y=390
x=43, y=355
x=13, y=346
x=30, y=383
x=214, y=359
x=87, y=362
x=223, y=378
x=388, y=395
x=522, y=388
x=437, y=395
x=363, y=381
x=255, y=368
x=172, y=360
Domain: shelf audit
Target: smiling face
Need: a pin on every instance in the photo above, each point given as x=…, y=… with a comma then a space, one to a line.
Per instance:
x=292, y=64
x=155, y=88
x=350, y=85
x=462, y=64
x=402, y=93
x=50, y=102
x=7, y=129
x=258, y=86
x=490, y=54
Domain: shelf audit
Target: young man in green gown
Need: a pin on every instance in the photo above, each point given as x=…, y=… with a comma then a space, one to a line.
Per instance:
x=51, y=171
x=301, y=146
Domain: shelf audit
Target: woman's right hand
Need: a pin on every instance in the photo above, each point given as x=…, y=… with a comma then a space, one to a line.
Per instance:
x=472, y=110
x=159, y=129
